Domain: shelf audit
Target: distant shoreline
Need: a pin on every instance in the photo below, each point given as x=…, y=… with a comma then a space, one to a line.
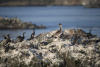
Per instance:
x=49, y=5
x=44, y=6
x=85, y=3
x=16, y=23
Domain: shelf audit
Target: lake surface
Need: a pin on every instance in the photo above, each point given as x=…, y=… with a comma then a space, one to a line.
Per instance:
x=51, y=16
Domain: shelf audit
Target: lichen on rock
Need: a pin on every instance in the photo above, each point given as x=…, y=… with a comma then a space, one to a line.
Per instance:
x=53, y=52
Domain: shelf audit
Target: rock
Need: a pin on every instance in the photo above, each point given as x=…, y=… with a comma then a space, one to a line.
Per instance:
x=15, y=23
x=50, y=53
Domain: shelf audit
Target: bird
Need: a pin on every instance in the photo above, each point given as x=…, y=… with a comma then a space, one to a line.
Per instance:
x=21, y=38
x=58, y=32
x=60, y=28
x=6, y=40
x=89, y=34
x=7, y=37
x=32, y=35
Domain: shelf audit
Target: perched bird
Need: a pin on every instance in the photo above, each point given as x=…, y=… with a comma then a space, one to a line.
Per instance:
x=5, y=42
x=89, y=34
x=58, y=32
x=7, y=37
x=21, y=38
x=32, y=35
x=60, y=29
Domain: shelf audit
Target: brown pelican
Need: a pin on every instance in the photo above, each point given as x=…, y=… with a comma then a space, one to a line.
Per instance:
x=21, y=38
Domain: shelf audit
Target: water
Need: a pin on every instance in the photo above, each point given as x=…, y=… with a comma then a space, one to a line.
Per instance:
x=69, y=16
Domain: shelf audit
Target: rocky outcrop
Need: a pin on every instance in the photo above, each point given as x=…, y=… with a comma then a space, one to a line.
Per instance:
x=91, y=3
x=15, y=23
x=72, y=48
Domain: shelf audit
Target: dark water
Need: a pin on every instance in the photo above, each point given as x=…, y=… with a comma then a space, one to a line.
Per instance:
x=70, y=17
